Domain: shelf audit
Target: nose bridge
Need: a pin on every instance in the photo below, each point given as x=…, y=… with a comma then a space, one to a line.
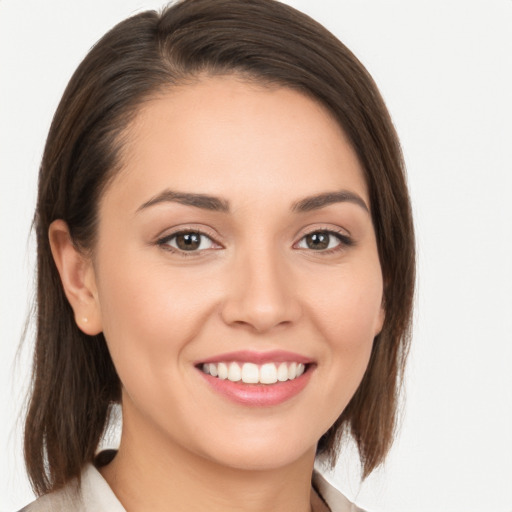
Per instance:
x=261, y=292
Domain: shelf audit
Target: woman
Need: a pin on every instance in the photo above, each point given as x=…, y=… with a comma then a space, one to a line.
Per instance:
x=225, y=247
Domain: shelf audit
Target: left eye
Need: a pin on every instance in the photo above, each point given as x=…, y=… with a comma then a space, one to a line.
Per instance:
x=188, y=241
x=320, y=241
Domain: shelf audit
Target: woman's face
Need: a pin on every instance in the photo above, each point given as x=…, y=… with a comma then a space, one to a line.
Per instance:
x=236, y=240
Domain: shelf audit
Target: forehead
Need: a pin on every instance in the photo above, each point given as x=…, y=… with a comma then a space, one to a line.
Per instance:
x=229, y=137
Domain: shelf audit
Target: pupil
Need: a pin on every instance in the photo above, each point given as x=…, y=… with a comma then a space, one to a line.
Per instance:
x=318, y=240
x=188, y=241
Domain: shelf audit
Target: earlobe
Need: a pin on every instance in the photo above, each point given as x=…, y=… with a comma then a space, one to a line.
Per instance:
x=77, y=277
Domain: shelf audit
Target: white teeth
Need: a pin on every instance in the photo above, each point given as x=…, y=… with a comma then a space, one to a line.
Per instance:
x=292, y=371
x=282, y=372
x=268, y=373
x=222, y=370
x=250, y=373
x=234, y=373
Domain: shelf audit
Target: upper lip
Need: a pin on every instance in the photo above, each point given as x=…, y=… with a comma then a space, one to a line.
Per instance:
x=251, y=356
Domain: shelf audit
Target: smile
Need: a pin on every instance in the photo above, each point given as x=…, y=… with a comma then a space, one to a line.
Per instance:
x=251, y=373
x=257, y=379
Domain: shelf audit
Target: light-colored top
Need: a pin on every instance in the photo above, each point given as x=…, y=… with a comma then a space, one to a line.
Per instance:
x=95, y=495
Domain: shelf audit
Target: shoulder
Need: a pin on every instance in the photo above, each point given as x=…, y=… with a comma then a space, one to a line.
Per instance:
x=92, y=495
x=334, y=499
x=65, y=499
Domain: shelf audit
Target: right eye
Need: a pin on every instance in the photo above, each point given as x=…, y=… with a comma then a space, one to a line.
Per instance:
x=188, y=241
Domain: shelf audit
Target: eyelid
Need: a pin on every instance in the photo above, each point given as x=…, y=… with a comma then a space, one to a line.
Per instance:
x=163, y=239
x=331, y=228
x=341, y=234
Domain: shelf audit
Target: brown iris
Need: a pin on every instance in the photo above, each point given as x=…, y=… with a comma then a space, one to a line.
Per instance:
x=188, y=241
x=318, y=240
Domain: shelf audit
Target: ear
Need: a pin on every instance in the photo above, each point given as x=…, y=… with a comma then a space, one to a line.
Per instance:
x=78, y=279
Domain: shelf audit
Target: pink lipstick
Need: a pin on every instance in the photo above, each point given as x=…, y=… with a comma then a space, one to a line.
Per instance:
x=257, y=378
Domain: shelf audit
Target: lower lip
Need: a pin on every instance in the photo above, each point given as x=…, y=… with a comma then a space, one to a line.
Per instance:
x=258, y=395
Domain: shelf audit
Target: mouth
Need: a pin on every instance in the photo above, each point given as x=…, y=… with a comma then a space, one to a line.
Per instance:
x=252, y=373
x=257, y=379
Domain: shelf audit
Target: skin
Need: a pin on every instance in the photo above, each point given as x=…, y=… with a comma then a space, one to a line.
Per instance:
x=255, y=285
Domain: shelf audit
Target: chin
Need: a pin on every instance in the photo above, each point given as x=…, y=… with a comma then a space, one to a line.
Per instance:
x=260, y=454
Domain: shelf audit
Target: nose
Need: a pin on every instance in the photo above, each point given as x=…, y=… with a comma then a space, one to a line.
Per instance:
x=261, y=293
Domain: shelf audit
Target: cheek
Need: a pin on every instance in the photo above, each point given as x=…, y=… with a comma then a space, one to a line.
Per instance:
x=348, y=316
x=148, y=315
x=348, y=307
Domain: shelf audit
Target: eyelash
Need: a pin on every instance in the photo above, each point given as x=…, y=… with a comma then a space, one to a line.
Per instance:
x=344, y=240
x=164, y=242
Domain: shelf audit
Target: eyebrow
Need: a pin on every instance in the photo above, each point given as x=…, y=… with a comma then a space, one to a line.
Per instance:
x=321, y=200
x=213, y=203
x=203, y=201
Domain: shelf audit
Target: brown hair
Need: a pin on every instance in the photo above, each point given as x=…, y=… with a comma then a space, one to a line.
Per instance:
x=74, y=379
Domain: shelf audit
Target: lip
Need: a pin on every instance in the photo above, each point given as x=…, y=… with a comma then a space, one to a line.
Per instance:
x=258, y=395
x=250, y=356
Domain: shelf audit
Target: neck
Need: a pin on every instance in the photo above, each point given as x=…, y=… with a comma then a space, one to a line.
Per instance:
x=158, y=476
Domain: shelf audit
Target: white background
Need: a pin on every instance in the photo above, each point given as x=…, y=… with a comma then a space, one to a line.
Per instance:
x=445, y=70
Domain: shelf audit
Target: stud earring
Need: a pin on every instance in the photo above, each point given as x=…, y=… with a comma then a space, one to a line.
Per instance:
x=85, y=319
